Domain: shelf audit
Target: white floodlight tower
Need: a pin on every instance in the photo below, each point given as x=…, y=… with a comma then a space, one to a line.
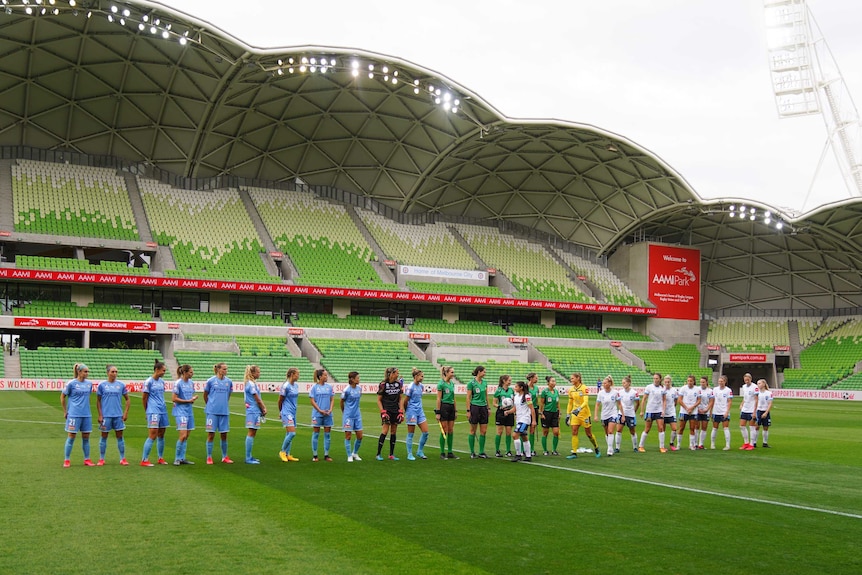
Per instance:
x=806, y=80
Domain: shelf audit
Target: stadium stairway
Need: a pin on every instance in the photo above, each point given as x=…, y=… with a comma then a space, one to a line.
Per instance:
x=7, y=213
x=137, y=207
x=500, y=280
x=588, y=288
x=382, y=269
x=12, y=366
x=263, y=234
x=795, y=345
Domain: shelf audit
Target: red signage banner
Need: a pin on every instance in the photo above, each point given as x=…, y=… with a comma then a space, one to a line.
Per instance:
x=420, y=336
x=713, y=348
x=295, y=331
x=313, y=291
x=66, y=323
x=747, y=358
x=518, y=340
x=616, y=344
x=781, y=348
x=674, y=281
x=276, y=255
x=5, y=233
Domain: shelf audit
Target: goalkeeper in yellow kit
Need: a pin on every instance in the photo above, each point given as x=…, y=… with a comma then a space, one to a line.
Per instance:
x=578, y=415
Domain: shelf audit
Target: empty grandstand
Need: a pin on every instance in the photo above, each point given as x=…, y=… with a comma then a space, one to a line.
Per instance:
x=369, y=358
x=210, y=232
x=71, y=200
x=749, y=334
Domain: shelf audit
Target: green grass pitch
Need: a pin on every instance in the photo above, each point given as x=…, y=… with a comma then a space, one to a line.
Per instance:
x=796, y=508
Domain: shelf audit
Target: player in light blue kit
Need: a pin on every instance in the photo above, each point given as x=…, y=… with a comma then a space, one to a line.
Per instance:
x=109, y=402
x=77, y=414
x=217, y=392
x=184, y=398
x=321, y=412
x=153, y=393
x=255, y=410
x=287, y=398
x=351, y=418
x=414, y=415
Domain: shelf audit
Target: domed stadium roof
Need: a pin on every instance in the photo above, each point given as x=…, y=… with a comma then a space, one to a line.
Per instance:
x=148, y=84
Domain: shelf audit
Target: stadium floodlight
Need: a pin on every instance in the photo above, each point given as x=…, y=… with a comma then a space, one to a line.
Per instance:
x=806, y=80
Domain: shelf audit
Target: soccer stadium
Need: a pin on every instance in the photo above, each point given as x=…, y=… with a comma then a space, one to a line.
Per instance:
x=170, y=193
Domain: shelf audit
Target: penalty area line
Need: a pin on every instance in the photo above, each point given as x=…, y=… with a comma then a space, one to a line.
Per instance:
x=702, y=491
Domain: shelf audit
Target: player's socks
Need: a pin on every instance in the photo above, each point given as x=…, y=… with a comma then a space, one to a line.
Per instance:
x=518, y=445
x=449, y=439
x=160, y=447
x=744, y=431
x=327, y=441
x=70, y=441
x=544, y=443
x=497, y=439
x=508, y=443
x=527, y=448
x=249, y=444
x=224, y=448
x=409, y=443
x=618, y=439
x=609, y=439
x=592, y=439
x=356, y=445
x=712, y=437
x=103, y=447
x=148, y=446
x=532, y=437
x=754, y=436
x=179, y=456
x=422, y=439
x=85, y=447
x=121, y=447
x=481, y=444
x=634, y=441
x=209, y=449
x=392, y=440
x=555, y=442
x=673, y=437
x=442, y=444
x=347, y=448
x=765, y=437
x=471, y=441
x=727, y=436
x=576, y=442
x=380, y=441
x=661, y=439
x=643, y=439
x=288, y=439
x=315, y=439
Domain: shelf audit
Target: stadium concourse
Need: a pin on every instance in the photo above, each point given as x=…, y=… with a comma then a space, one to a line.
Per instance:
x=168, y=189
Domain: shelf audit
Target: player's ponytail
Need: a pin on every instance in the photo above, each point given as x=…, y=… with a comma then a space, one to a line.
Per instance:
x=249, y=371
x=157, y=365
x=351, y=377
x=416, y=372
x=478, y=369
x=79, y=367
x=390, y=371
x=183, y=370
x=318, y=374
x=503, y=378
x=291, y=371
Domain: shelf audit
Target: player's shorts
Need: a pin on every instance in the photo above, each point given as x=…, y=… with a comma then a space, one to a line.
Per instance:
x=615, y=419
x=112, y=424
x=288, y=419
x=390, y=417
x=415, y=417
x=654, y=416
x=76, y=424
x=504, y=420
x=581, y=421
x=720, y=418
x=552, y=420
x=702, y=417
x=351, y=423
x=478, y=415
x=218, y=423
x=631, y=421
x=764, y=421
x=669, y=419
x=447, y=412
x=320, y=420
x=746, y=416
x=522, y=428
x=157, y=420
x=185, y=422
x=688, y=417
x=252, y=420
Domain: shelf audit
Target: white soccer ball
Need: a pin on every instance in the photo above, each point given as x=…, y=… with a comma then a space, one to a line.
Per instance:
x=507, y=403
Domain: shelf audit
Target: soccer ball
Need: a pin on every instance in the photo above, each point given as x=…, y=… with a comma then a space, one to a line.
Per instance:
x=507, y=403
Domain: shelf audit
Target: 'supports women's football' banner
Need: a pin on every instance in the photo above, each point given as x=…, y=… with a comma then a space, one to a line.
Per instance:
x=674, y=281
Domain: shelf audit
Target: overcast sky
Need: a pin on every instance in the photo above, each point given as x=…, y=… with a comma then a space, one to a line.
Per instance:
x=686, y=79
